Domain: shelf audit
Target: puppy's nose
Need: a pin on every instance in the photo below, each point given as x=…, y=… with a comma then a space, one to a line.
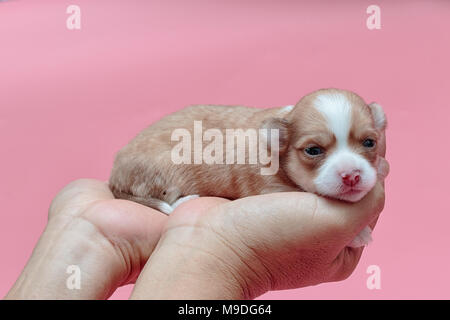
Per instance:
x=351, y=179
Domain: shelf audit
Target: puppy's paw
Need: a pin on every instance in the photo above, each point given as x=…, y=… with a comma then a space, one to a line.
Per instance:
x=164, y=207
x=183, y=199
x=362, y=239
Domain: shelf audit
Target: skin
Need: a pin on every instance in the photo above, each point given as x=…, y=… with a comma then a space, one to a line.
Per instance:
x=244, y=247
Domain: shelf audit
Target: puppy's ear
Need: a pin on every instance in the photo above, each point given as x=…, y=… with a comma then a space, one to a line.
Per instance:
x=378, y=116
x=282, y=126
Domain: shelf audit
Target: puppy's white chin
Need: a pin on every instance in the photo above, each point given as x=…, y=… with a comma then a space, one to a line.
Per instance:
x=354, y=196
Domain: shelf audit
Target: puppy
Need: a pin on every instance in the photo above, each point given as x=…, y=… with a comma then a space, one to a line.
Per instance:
x=325, y=144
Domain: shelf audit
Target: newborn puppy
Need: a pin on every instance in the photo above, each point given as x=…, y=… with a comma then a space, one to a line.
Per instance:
x=325, y=144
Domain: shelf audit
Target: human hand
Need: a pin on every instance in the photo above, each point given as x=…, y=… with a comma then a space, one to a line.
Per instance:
x=216, y=249
x=212, y=248
x=109, y=240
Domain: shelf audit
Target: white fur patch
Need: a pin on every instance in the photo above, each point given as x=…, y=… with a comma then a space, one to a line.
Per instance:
x=337, y=111
x=285, y=110
x=329, y=180
x=362, y=239
x=164, y=207
x=378, y=116
x=183, y=199
x=167, y=208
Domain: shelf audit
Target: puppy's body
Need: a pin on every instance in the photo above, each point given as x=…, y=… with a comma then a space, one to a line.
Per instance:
x=327, y=145
x=143, y=170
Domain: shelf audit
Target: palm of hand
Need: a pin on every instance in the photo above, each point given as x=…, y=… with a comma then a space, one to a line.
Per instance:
x=131, y=229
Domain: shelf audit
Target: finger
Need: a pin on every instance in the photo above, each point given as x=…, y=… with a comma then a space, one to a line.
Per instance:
x=125, y=219
x=198, y=206
x=382, y=168
x=345, y=263
x=353, y=217
x=290, y=216
x=138, y=225
x=78, y=195
x=296, y=215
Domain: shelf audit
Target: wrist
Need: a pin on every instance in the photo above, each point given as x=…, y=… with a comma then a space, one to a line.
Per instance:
x=69, y=248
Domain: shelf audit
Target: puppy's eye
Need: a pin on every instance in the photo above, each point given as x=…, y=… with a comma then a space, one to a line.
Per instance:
x=313, y=151
x=369, y=143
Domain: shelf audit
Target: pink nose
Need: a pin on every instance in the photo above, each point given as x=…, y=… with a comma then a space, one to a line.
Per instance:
x=351, y=179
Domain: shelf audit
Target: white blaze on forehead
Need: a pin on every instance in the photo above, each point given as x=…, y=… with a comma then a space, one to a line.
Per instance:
x=337, y=110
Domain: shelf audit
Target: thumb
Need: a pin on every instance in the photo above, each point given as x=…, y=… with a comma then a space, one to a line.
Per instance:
x=300, y=216
x=351, y=218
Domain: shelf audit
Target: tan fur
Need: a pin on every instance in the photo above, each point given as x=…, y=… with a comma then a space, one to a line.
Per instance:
x=144, y=169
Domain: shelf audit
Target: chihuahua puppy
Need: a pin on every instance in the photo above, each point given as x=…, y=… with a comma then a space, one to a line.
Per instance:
x=325, y=144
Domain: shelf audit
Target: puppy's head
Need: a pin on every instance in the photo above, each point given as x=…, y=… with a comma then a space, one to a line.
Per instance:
x=333, y=141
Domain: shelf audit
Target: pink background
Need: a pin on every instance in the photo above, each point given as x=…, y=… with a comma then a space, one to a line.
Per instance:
x=70, y=99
